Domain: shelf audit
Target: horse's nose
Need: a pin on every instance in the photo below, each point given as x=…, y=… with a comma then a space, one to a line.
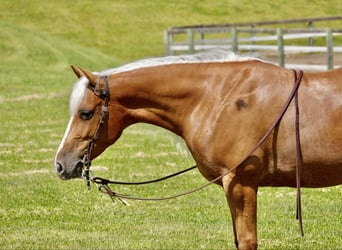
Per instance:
x=69, y=169
x=59, y=169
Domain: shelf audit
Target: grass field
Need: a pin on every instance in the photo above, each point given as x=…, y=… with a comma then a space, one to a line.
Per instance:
x=38, y=42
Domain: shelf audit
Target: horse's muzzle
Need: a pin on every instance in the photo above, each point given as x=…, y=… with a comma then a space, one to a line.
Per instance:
x=66, y=173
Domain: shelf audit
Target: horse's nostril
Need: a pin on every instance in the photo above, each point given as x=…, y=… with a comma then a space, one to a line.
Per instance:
x=59, y=168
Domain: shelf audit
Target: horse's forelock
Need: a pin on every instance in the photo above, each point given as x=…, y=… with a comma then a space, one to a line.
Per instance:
x=78, y=94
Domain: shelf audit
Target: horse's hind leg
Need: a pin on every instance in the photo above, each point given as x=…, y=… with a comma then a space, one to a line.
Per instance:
x=241, y=195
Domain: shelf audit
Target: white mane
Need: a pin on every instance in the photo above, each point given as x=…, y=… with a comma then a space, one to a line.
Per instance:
x=208, y=56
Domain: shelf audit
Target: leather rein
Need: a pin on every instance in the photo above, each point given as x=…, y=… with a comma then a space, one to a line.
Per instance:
x=102, y=183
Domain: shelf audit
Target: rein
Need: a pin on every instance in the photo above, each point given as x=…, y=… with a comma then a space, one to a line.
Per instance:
x=103, y=183
x=299, y=157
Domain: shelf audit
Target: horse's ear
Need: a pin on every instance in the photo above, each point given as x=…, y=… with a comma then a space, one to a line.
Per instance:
x=81, y=72
x=78, y=72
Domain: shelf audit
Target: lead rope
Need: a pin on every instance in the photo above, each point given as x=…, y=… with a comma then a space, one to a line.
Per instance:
x=299, y=159
x=103, y=181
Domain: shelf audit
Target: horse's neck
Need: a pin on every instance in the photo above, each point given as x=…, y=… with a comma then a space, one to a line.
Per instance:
x=179, y=97
x=162, y=96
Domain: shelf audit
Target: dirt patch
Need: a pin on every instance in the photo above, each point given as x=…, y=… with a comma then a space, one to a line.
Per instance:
x=313, y=59
x=305, y=59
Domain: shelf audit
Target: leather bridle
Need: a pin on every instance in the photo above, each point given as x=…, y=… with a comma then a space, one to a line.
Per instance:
x=104, y=93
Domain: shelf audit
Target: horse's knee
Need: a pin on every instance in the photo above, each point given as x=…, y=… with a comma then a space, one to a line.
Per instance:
x=242, y=200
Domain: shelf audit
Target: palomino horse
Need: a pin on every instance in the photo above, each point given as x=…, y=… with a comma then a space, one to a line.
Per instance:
x=221, y=105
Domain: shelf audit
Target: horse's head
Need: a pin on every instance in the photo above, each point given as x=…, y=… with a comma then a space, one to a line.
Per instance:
x=89, y=98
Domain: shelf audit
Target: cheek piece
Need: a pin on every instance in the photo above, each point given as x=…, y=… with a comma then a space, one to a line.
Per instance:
x=87, y=154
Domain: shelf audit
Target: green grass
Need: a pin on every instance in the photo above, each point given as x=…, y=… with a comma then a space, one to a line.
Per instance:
x=38, y=42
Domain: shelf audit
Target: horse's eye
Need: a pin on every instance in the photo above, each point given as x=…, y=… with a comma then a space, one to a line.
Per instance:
x=86, y=114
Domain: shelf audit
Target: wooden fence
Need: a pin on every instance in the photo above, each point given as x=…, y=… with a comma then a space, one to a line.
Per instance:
x=260, y=38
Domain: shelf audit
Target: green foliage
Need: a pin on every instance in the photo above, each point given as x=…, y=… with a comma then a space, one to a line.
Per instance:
x=38, y=42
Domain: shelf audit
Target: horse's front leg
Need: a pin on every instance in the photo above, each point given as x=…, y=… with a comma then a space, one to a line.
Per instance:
x=241, y=194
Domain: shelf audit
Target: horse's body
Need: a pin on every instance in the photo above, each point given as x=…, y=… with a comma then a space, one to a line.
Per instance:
x=221, y=108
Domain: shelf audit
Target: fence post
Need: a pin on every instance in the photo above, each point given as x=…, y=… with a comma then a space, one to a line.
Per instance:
x=201, y=37
x=310, y=39
x=281, y=60
x=253, y=35
x=167, y=43
x=330, y=53
x=234, y=39
x=191, y=41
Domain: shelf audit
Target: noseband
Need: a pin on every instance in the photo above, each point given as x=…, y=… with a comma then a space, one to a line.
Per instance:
x=104, y=93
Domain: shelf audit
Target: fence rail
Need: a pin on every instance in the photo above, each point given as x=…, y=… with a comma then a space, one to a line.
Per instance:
x=249, y=37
